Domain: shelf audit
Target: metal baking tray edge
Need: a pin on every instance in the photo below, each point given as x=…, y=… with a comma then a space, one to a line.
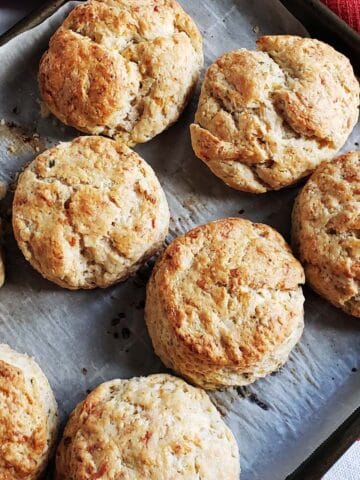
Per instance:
x=325, y=25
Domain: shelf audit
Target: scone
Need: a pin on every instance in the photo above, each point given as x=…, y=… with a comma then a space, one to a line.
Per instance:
x=269, y=117
x=148, y=428
x=224, y=303
x=89, y=212
x=325, y=231
x=125, y=69
x=28, y=417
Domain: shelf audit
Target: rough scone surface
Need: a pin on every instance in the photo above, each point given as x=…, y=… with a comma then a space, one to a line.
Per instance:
x=224, y=303
x=28, y=417
x=326, y=226
x=148, y=428
x=122, y=68
x=87, y=213
x=267, y=118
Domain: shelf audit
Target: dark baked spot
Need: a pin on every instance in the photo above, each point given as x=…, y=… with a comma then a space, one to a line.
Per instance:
x=140, y=305
x=125, y=332
x=254, y=399
x=67, y=441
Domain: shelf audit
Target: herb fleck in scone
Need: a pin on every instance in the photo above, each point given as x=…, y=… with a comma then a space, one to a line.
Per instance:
x=125, y=69
x=224, y=303
x=89, y=212
x=28, y=417
x=269, y=117
x=148, y=428
x=326, y=226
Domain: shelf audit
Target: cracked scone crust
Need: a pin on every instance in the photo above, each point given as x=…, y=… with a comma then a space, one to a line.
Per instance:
x=224, y=303
x=122, y=68
x=267, y=118
x=326, y=226
x=28, y=417
x=87, y=213
x=148, y=428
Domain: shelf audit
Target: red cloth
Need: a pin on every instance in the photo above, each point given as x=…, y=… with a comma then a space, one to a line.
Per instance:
x=348, y=10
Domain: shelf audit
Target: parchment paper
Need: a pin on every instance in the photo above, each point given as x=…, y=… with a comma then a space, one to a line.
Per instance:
x=83, y=338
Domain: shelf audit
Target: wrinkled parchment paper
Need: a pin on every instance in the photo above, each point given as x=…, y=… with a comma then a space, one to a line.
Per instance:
x=83, y=338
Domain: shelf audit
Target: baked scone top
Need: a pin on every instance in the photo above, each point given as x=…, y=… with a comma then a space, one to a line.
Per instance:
x=122, y=68
x=267, y=118
x=326, y=226
x=28, y=417
x=148, y=428
x=229, y=293
x=88, y=212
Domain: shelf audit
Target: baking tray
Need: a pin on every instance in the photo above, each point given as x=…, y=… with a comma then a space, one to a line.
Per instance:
x=324, y=24
x=321, y=23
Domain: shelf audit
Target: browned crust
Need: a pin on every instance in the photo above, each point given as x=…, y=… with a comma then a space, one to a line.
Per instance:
x=24, y=424
x=124, y=69
x=325, y=231
x=154, y=428
x=89, y=212
x=267, y=118
x=90, y=89
x=223, y=296
x=13, y=432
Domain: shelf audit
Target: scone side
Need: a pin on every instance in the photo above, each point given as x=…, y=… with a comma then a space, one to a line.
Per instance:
x=194, y=362
x=23, y=372
x=198, y=369
x=330, y=279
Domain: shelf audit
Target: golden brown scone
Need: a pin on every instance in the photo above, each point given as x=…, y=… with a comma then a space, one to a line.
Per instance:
x=325, y=231
x=147, y=428
x=224, y=303
x=88, y=213
x=28, y=417
x=267, y=118
x=122, y=68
